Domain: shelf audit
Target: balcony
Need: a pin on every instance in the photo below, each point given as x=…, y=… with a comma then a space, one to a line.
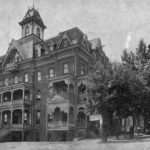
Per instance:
x=6, y=104
x=11, y=67
x=15, y=126
x=21, y=102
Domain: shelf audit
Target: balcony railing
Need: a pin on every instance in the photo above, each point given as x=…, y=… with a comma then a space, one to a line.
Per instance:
x=59, y=125
x=17, y=126
x=11, y=67
x=15, y=103
x=14, y=126
x=6, y=104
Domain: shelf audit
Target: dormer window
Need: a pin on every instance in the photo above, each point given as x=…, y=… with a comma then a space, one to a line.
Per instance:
x=38, y=32
x=65, y=43
x=26, y=30
x=51, y=47
x=16, y=57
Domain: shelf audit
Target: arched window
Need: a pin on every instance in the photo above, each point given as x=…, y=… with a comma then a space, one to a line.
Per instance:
x=26, y=30
x=38, y=32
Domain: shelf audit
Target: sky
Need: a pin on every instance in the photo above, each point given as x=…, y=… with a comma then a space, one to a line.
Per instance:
x=120, y=24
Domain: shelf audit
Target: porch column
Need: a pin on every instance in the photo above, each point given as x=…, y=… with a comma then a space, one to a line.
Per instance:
x=0, y=119
x=23, y=94
x=1, y=97
x=30, y=116
x=23, y=121
x=23, y=115
x=68, y=118
x=11, y=116
x=12, y=92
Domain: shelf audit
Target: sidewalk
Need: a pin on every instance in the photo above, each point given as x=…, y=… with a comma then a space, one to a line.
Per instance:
x=122, y=139
x=141, y=137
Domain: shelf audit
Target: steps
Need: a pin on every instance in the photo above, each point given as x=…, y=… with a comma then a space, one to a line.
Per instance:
x=4, y=132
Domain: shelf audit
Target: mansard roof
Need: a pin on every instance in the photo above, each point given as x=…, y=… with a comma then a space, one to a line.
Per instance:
x=74, y=35
x=32, y=15
x=96, y=43
x=2, y=58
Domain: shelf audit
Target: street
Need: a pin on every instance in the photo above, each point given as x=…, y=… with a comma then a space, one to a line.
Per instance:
x=88, y=144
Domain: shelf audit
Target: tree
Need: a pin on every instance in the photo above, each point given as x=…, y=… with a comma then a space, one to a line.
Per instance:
x=98, y=95
x=140, y=63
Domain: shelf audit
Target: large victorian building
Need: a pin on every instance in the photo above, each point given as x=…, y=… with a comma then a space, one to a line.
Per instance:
x=42, y=83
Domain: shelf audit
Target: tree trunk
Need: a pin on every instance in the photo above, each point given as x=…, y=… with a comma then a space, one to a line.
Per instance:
x=104, y=136
x=125, y=132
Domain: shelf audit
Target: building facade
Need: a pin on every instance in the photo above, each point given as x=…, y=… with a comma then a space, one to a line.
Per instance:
x=42, y=83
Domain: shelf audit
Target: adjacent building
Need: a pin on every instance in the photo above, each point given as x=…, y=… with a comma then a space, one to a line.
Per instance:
x=42, y=83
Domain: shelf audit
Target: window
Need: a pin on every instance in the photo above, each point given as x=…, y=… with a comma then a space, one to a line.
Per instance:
x=51, y=91
x=51, y=73
x=5, y=118
x=38, y=50
x=38, y=95
x=16, y=79
x=6, y=81
x=38, y=115
x=25, y=117
x=65, y=68
x=26, y=77
x=39, y=76
x=50, y=118
x=26, y=30
x=65, y=43
x=82, y=69
x=16, y=57
x=38, y=32
x=51, y=47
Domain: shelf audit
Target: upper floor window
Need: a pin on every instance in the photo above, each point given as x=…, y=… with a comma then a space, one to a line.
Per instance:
x=65, y=43
x=39, y=76
x=25, y=117
x=38, y=32
x=51, y=46
x=82, y=69
x=66, y=70
x=51, y=73
x=26, y=30
x=26, y=77
x=38, y=95
x=16, y=57
x=38, y=115
x=6, y=81
x=5, y=118
x=16, y=79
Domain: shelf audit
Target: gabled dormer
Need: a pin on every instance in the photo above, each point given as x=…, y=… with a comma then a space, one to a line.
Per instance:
x=32, y=24
x=14, y=55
